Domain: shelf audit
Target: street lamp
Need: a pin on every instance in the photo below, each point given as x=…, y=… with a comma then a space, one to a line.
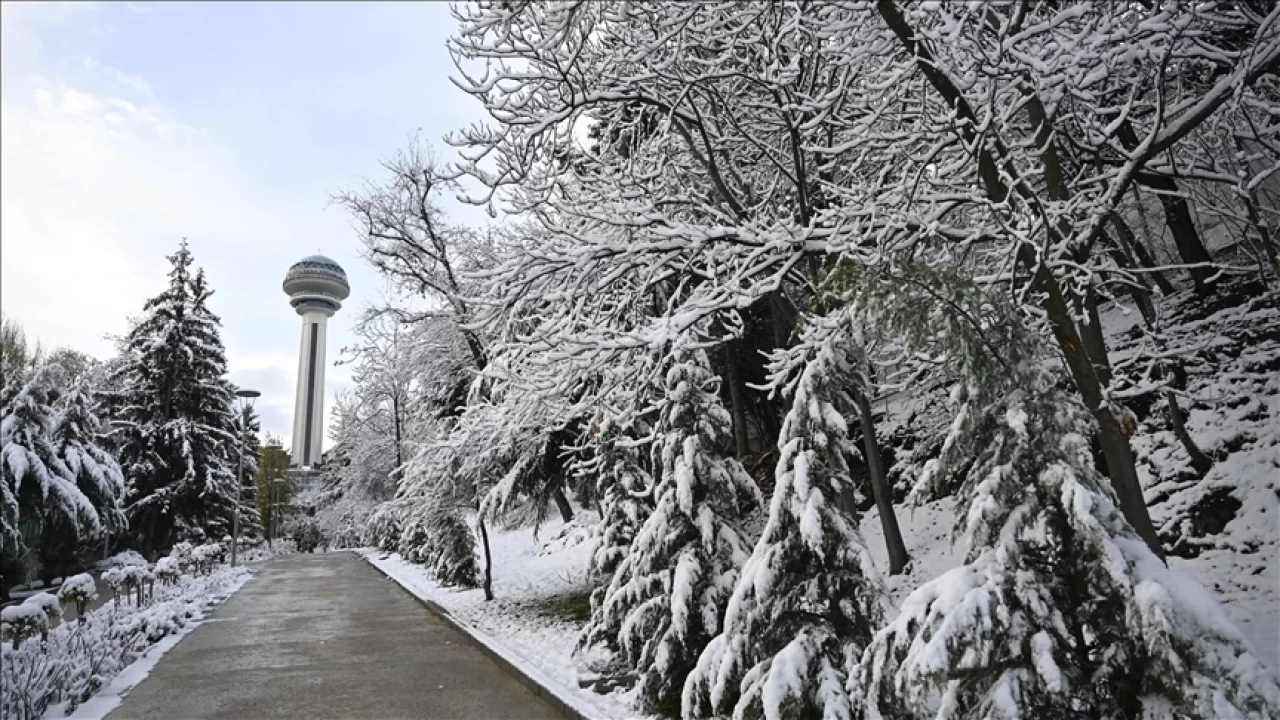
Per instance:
x=244, y=402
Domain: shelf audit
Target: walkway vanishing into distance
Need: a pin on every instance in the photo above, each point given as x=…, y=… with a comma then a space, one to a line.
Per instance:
x=327, y=636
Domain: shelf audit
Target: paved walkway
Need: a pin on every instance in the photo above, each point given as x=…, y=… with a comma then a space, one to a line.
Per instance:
x=327, y=636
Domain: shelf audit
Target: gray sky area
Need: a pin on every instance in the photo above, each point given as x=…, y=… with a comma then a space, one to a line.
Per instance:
x=126, y=127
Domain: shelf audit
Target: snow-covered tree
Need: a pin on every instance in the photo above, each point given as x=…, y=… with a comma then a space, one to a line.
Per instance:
x=444, y=543
x=178, y=438
x=1060, y=609
x=808, y=600
x=667, y=596
x=625, y=489
x=40, y=492
x=76, y=434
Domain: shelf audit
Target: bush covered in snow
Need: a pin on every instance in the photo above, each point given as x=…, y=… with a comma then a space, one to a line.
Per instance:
x=76, y=660
x=445, y=544
x=78, y=590
x=121, y=559
x=23, y=621
x=383, y=530
x=204, y=557
x=167, y=570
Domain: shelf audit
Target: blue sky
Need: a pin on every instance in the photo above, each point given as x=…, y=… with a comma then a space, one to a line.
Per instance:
x=127, y=126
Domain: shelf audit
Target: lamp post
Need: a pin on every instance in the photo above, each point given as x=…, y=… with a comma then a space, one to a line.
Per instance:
x=244, y=402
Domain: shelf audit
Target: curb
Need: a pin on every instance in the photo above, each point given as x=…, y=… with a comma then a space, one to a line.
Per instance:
x=547, y=694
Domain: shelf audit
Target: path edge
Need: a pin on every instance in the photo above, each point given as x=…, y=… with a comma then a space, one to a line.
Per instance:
x=546, y=693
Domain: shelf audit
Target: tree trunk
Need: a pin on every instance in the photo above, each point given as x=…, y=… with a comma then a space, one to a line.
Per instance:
x=1177, y=217
x=488, y=560
x=562, y=504
x=783, y=314
x=880, y=490
x=739, y=402
x=1199, y=461
x=1095, y=344
x=395, y=409
x=1137, y=254
x=1142, y=298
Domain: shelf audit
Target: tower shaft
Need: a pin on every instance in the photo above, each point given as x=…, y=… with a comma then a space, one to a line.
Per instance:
x=308, y=412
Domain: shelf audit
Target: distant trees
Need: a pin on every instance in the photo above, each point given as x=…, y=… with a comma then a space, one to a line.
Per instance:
x=272, y=488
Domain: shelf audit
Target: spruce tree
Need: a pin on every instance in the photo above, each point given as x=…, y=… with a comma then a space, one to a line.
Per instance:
x=1060, y=610
x=667, y=596
x=175, y=447
x=625, y=489
x=75, y=434
x=41, y=502
x=807, y=601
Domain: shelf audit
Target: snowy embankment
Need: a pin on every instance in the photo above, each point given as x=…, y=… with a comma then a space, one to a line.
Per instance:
x=539, y=605
x=83, y=668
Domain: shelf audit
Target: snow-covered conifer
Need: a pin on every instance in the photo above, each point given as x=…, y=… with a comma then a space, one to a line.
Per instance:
x=667, y=596
x=40, y=490
x=625, y=489
x=807, y=601
x=1060, y=609
x=76, y=434
x=176, y=448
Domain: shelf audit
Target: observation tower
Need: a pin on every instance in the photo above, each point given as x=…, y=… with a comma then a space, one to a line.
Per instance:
x=316, y=287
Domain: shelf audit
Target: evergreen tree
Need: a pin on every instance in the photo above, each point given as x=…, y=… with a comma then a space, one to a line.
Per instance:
x=807, y=601
x=272, y=489
x=41, y=502
x=667, y=596
x=625, y=489
x=75, y=433
x=1060, y=610
x=172, y=394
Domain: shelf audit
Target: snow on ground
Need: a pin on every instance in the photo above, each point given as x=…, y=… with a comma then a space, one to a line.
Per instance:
x=539, y=606
x=926, y=531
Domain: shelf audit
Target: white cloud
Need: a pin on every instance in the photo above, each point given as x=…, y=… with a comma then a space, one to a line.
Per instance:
x=133, y=82
x=101, y=184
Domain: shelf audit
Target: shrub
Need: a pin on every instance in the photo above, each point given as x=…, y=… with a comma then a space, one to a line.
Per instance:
x=24, y=621
x=79, y=590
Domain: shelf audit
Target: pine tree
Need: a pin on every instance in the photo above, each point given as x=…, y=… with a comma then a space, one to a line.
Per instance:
x=807, y=601
x=667, y=596
x=173, y=397
x=75, y=433
x=1060, y=610
x=43, y=506
x=625, y=490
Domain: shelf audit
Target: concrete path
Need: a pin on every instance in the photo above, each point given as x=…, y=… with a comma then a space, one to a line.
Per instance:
x=327, y=636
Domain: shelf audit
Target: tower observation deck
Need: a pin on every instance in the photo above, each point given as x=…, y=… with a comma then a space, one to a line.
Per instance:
x=316, y=287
